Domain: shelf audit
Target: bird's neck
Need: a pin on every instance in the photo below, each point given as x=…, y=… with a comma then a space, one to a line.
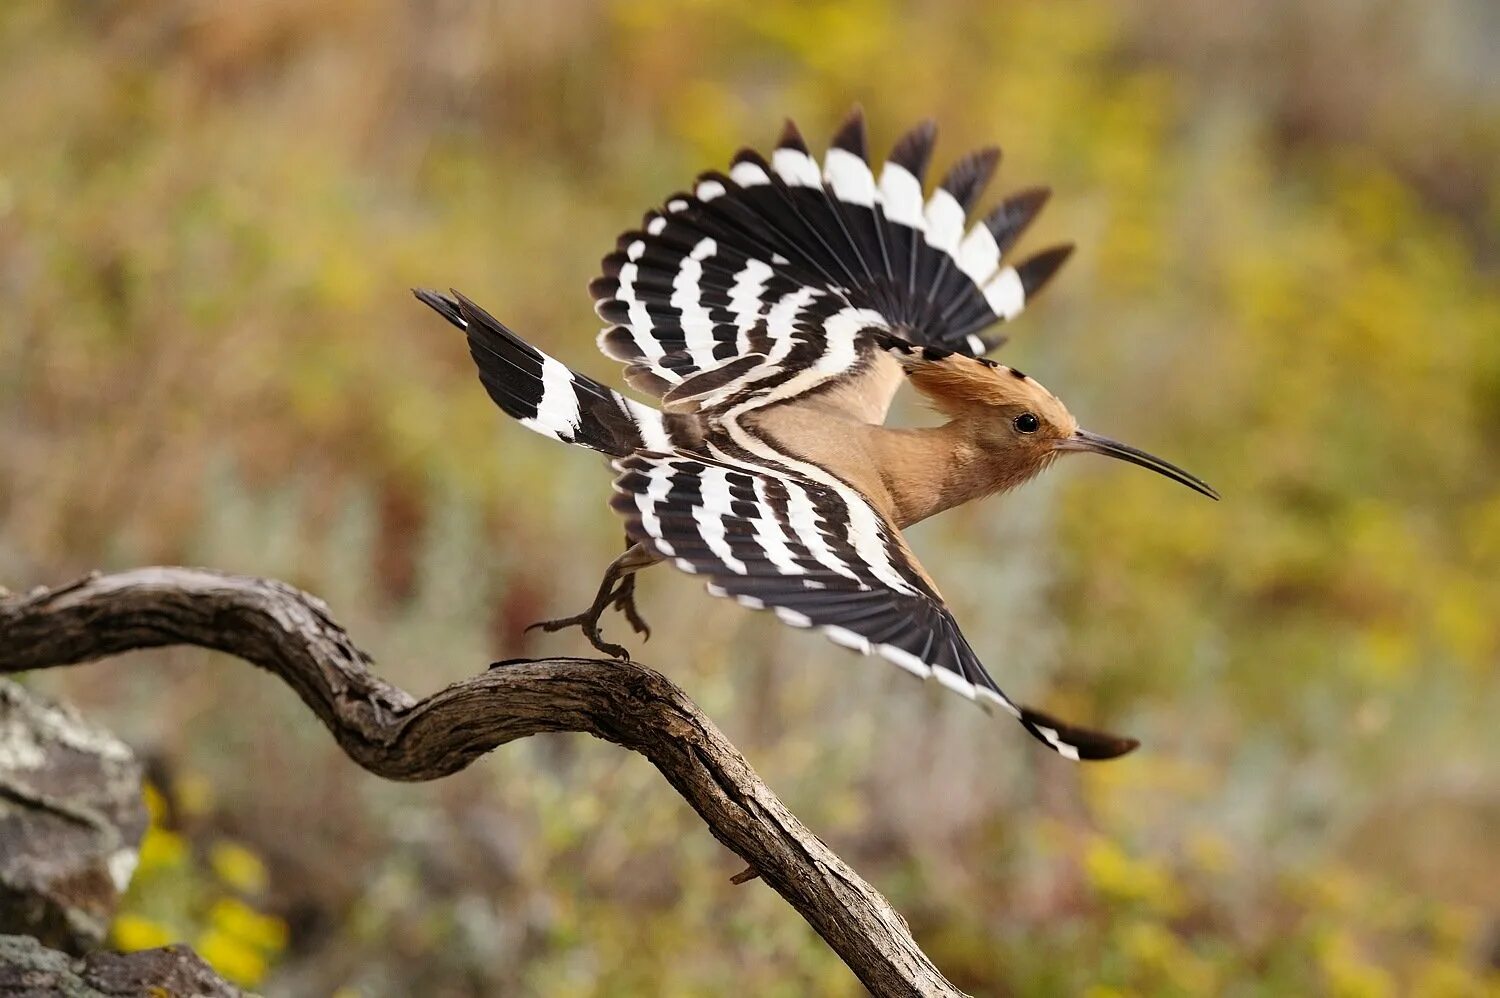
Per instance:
x=926, y=471
x=908, y=474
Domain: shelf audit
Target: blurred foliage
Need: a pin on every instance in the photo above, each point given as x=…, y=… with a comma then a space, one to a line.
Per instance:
x=178, y=895
x=1289, y=240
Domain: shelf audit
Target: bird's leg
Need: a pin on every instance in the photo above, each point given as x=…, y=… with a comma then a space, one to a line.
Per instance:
x=617, y=589
x=624, y=600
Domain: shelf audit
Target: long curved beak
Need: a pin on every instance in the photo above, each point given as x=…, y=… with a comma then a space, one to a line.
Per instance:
x=1083, y=440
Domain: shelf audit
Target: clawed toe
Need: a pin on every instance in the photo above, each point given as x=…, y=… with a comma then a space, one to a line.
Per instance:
x=614, y=651
x=633, y=617
x=624, y=601
x=577, y=620
x=588, y=623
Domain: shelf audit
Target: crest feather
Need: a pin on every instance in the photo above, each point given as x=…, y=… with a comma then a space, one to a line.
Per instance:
x=954, y=384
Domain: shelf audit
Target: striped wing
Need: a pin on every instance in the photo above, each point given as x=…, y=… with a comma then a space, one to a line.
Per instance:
x=818, y=556
x=758, y=261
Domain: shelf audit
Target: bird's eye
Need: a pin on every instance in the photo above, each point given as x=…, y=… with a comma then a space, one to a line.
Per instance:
x=1027, y=422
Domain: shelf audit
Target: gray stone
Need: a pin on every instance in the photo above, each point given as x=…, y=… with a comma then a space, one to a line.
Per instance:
x=71, y=820
x=30, y=970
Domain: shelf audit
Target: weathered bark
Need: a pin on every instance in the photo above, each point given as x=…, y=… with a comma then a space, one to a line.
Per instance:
x=30, y=970
x=394, y=735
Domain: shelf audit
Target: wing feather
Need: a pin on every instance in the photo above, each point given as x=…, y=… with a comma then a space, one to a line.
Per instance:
x=744, y=527
x=760, y=259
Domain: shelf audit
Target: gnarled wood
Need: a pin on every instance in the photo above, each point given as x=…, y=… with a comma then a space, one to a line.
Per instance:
x=394, y=735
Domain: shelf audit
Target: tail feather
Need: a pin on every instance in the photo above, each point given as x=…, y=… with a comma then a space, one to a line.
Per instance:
x=543, y=394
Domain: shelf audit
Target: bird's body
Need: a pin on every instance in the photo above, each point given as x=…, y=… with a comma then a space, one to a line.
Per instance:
x=775, y=311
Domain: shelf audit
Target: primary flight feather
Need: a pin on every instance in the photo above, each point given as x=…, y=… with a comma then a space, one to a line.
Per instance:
x=774, y=310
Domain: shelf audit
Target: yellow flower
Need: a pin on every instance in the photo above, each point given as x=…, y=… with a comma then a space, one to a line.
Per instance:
x=156, y=804
x=239, y=920
x=238, y=867
x=234, y=958
x=161, y=850
x=133, y=932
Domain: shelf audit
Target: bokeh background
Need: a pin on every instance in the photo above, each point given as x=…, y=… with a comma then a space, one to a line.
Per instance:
x=1289, y=243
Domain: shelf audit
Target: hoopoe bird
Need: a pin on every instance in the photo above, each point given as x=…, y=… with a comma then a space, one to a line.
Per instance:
x=774, y=311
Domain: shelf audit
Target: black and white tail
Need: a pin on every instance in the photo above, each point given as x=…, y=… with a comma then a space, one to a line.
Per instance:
x=544, y=394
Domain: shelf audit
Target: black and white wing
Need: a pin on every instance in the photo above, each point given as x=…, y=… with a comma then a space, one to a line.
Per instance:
x=753, y=264
x=817, y=555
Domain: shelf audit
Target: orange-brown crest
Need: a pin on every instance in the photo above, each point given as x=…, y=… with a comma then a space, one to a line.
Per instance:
x=958, y=386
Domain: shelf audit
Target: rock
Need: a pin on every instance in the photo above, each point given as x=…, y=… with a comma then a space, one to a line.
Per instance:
x=27, y=969
x=71, y=819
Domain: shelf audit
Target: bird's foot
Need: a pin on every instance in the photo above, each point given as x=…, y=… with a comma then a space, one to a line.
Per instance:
x=588, y=623
x=617, y=590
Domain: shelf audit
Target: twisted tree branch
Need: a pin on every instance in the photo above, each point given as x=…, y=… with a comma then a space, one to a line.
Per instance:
x=394, y=735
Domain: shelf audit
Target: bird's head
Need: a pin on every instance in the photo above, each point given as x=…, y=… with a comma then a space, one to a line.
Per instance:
x=1017, y=421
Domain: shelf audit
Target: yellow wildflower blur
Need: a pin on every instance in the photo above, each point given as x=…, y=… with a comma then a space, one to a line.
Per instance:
x=176, y=897
x=1122, y=877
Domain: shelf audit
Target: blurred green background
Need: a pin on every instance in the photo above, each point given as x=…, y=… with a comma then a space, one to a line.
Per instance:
x=1289, y=242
